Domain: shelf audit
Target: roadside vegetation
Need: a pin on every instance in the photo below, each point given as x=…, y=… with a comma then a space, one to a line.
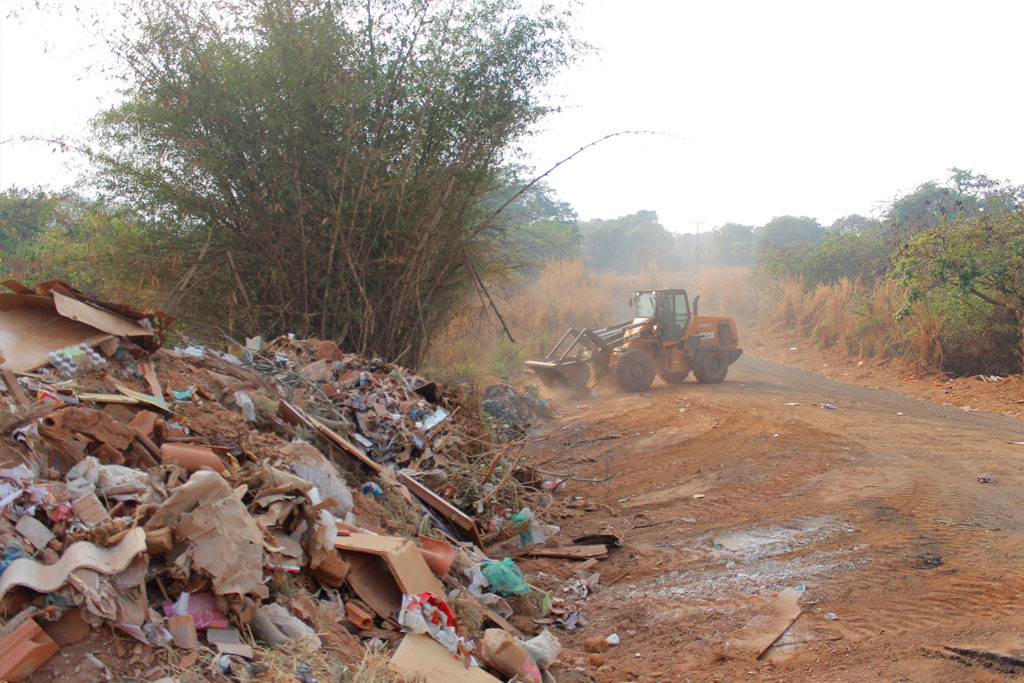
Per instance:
x=937, y=280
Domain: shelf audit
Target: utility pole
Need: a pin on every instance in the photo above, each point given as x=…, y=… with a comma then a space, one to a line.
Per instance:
x=698, y=224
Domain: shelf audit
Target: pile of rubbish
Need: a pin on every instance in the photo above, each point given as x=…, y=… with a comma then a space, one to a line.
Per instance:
x=515, y=410
x=208, y=509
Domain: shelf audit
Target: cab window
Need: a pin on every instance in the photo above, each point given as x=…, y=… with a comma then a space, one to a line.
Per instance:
x=645, y=305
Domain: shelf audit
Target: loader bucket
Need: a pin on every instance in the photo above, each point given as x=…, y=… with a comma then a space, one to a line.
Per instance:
x=564, y=374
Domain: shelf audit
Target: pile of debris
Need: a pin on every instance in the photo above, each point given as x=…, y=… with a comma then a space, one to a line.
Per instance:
x=196, y=504
x=515, y=410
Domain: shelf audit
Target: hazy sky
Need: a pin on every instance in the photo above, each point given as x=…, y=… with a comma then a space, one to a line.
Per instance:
x=765, y=108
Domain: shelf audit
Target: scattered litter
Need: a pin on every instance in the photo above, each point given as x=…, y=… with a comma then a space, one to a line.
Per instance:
x=827, y=406
x=192, y=499
x=986, y=479
x=613, y=639
x=792, y=404
x=515, y=410
x=698, y=495
x=432, y=420
x=502, y=652
x=758, y=635
x=246, y=405
x=24, y=650
x=543, y=649
x=831, y=616
x=371, y=488
x=505, y=577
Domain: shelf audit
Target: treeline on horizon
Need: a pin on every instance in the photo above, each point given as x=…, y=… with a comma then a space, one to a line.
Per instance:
x=937, y=277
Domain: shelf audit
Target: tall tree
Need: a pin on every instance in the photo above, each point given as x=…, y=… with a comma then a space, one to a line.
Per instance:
x=973, y=248
x=731, y=244
x=628, y=244
x=784, y=230
x=326, y=162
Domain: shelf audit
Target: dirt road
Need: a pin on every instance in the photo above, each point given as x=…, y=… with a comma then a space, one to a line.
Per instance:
x=903, y=566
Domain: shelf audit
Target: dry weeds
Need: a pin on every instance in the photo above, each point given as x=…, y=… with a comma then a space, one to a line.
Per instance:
x=860, y=319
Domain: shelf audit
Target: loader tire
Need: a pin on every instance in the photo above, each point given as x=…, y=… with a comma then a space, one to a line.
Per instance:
x=710, y=365
x=674, y=377
x=635, y=370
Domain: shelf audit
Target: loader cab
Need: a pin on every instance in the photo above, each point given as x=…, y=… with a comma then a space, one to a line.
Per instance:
x=669, y=308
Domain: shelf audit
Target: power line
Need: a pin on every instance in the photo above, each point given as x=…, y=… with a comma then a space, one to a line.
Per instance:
x=698, y=224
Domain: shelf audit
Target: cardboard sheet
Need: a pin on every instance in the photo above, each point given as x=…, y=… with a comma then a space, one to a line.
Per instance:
x=761, y=632
x=44, y=578
x=225, y=541
x=16, y=286
x=93, y=423
x=10, y=302
x=421, y=654
x=28, y=333
x=98, y=318
x=228, y=642
x=403, y=558
x=371, y=580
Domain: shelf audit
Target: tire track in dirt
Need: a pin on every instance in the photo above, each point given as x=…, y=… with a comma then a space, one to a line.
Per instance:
x=931, y=568
x=874, y=507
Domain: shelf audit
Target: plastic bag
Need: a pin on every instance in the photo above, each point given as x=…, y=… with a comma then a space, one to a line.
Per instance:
x=307, y=462
x=289, y=624
x=246, y=405
x=427, y=613
x=113, y=481
x=505, y=577
x=520, y=523
x=543, y=649
x=530, y=529
x=477, y=580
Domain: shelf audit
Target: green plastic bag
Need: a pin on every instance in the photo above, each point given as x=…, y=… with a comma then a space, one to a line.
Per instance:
x=520, y=523
x=505, y=577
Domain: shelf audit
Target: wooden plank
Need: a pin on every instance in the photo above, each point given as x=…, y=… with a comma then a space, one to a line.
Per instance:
x=107, y=398
x=296, y=415
x=457, y=517
x=571, y=552
x=155, y=401
x=11, y=382
x=150, y=374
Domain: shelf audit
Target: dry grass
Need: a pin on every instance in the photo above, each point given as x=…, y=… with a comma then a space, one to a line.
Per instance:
x=729, y=291
x=375, y=668
x=281, y=665
x=859, y=319
x=469, y=614
x=539, y=310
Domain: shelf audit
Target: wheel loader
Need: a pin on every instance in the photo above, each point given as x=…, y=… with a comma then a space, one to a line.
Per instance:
x=665, y=338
